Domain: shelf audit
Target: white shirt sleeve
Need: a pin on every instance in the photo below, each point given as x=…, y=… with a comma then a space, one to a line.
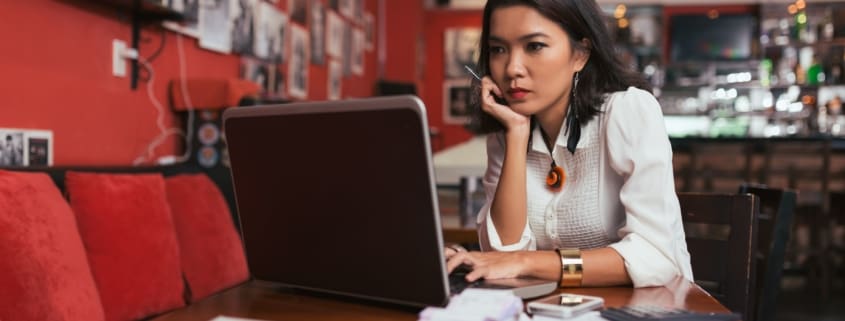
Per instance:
x=488, y=235
x=639, y=150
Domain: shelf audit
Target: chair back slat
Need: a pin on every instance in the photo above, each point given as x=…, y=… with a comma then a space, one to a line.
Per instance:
x=777, y=210
x=723, y=265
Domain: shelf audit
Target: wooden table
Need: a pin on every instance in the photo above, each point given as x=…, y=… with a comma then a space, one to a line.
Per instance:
x=267, y=302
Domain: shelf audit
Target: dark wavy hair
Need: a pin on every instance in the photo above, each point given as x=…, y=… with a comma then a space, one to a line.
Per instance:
x=580, y=19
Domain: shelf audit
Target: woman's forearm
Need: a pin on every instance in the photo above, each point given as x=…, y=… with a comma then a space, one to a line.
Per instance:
x=601, y=267
x=509, y=208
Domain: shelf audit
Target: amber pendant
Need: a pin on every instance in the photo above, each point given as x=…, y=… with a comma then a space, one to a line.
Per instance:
x=555, y=178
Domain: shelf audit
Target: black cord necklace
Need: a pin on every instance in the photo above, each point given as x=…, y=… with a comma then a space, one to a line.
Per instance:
x=556, y=176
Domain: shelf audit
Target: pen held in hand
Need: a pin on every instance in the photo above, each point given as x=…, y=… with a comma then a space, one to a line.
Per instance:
x=471, y=72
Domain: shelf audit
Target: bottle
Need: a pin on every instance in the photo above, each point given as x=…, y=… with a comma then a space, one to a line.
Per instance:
x=815, y=73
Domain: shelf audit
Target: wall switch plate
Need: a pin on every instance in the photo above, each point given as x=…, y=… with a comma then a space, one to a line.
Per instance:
x=118, y=62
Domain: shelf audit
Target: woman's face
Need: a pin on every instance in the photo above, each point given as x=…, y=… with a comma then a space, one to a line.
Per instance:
x=532, y=60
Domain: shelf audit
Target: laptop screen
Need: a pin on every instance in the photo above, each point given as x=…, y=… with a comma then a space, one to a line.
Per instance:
x=338, y=197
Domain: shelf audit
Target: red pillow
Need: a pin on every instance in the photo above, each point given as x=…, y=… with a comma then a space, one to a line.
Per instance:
x=45, y=274
x=212, y=251
x=127, y=228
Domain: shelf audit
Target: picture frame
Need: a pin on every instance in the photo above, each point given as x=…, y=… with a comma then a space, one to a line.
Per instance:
x=26, y=147
x=359, y=42
x=460, y=48
x=456, y=101
x=335, y=81
x=298, y=63
x=318, y=32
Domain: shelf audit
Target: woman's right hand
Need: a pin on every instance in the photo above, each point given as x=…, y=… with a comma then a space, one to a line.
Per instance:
x=510, y=119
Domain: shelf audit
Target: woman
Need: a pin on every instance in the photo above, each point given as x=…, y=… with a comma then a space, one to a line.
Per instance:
x=579, y=181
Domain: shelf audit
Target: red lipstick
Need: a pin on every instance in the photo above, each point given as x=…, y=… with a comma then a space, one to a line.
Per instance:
x=517, y=93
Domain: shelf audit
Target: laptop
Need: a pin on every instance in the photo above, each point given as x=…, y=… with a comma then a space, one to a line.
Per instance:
x=339, y=197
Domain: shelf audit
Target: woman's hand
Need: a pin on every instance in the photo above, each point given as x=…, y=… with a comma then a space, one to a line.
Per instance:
x=509, y=118
x=488, y=265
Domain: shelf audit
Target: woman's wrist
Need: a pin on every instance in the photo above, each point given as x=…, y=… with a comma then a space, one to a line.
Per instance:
x=540, y=264
x=571, y=267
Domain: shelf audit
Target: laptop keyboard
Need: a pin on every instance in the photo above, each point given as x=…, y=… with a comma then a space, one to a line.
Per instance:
x=458, y=282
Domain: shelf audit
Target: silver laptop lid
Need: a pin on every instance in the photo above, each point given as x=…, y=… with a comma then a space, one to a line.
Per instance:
x=339, y=197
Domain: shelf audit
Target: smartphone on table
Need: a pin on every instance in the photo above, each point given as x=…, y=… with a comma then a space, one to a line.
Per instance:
x=565, y=305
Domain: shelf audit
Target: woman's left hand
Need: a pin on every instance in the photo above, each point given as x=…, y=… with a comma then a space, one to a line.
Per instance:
x=488, y=265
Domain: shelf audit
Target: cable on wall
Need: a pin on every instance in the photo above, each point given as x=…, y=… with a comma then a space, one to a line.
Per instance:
x=165, y=132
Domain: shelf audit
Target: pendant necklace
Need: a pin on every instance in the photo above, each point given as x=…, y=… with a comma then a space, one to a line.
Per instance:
x=556, y=176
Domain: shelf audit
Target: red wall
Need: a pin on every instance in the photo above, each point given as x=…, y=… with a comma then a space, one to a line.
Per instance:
x=55, y=59
x=436, y=23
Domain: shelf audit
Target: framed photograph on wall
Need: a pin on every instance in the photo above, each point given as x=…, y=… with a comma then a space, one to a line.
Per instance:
x=298, y=64
x=298, y=11
x=460, y=48
x=258, y=72
x=242, y=14
x=456, y=100
x=26, y=147
x=334, y=37
x=347, y=8
x=39, y=147
x=12, y=147
x=215, y=26
x=335, y=82
x=359, y=42
x=369, y=30
x=318, y=32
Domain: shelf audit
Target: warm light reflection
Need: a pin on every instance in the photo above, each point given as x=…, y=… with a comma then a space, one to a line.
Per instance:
x=792, y=9
x=808, y=100
x=713, y=14
x=620, y=11
x=622, y=23
x=800, y=4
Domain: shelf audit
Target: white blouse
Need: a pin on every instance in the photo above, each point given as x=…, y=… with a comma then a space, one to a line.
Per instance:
x=619, y=192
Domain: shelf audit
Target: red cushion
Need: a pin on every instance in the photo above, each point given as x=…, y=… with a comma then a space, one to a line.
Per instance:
x=44, y=274
x=125, y=223
x=212, y=251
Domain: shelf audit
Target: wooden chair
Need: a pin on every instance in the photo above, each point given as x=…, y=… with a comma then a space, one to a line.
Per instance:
x=721, y=234
x=774, y=226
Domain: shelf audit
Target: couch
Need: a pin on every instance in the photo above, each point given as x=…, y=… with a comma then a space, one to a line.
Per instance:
x=114, y=244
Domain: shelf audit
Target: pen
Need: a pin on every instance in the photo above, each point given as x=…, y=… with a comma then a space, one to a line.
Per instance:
x=471, y=72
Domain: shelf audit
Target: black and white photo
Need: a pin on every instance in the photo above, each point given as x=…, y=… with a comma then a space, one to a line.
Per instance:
x=347, y=49
x=298, y=10
x=318, y=32
x=347, y=8
x=258, y=72
x=359, y=41
x=39, y=148
x=335, y=82
x=334, y=35
x=242, y=12
x=215, y=25
x=456, y=101
x=270, y=25
x=11, y=148
x=298, y=63
x=369, y=30
x=188, y=8
x=278, y=36
x=460, y=49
